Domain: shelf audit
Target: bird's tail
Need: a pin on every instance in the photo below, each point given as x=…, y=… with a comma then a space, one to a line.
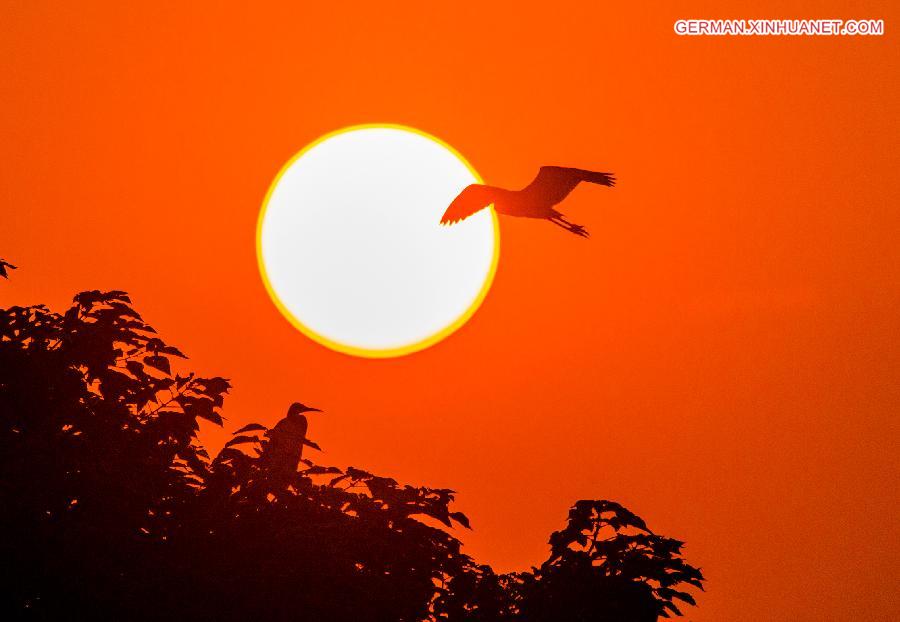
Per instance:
x=604, y=179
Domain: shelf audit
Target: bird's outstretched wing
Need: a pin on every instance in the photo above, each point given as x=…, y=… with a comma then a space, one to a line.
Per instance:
x=472, y=199
x=554, y=183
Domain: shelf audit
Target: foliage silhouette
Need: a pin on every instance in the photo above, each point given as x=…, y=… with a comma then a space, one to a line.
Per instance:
x=606, y=565
x=111, y=508
x=3, y=268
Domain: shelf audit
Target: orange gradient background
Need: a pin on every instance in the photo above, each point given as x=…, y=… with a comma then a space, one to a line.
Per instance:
x=721, y=356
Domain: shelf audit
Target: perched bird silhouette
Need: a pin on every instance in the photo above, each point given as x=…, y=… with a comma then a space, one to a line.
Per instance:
x=286, y=440
x=536, y=200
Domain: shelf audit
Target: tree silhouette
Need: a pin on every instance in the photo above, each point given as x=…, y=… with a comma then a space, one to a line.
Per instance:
x=607, y=565
x=110, y=506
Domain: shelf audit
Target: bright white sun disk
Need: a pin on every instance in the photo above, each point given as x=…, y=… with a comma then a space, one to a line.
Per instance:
x=350, y=246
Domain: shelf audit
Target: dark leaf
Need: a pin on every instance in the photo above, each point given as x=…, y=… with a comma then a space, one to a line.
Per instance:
x=3, y=266
x=159, y=362
x=461, y=518
x=172, y=350
x=250, y=427
x=237, y=440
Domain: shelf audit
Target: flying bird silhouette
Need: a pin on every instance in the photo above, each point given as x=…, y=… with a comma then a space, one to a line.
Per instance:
x=536, y=200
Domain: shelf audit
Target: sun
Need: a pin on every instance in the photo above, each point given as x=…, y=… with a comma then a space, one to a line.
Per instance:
x=350, y=248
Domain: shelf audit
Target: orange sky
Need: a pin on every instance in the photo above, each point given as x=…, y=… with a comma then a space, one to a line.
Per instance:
x=721, y=356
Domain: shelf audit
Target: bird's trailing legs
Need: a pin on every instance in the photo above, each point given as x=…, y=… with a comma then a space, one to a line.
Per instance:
x=560, y=221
